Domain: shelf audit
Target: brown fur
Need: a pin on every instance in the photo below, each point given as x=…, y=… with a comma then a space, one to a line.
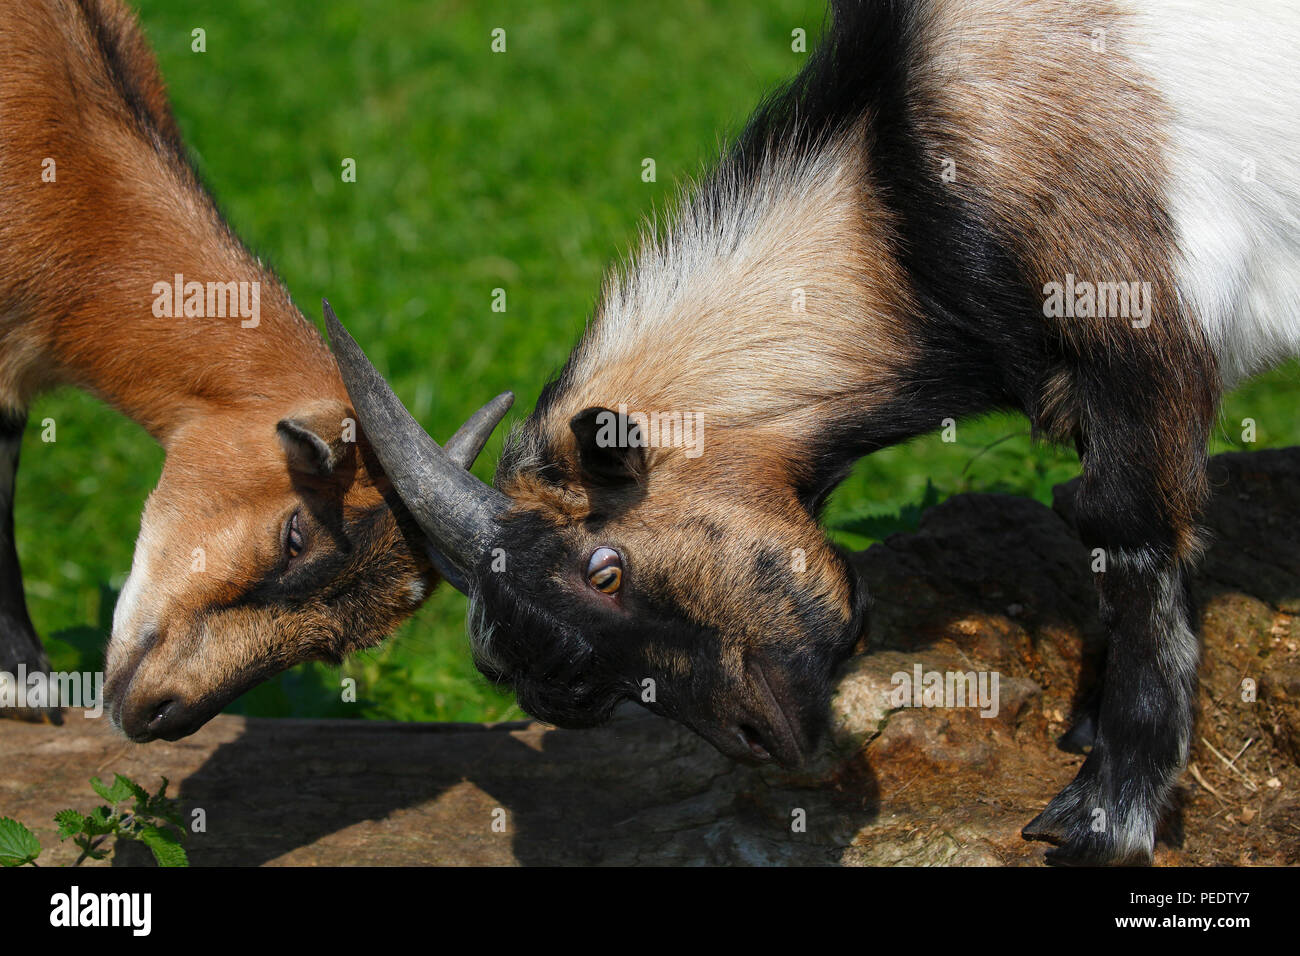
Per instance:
x=78, y=84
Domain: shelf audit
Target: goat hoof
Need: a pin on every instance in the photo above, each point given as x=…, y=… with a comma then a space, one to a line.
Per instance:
x=1045, y=829
x=1087, y=831
x=1088, y=853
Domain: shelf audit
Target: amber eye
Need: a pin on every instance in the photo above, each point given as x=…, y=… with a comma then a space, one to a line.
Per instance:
x=293, y=537
x=605, y=570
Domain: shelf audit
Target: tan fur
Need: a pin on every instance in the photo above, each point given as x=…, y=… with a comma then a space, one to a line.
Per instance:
x=674, y=347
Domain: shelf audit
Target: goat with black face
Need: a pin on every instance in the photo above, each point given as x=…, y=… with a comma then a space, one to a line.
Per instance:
x=957, y=206
x=602, y=572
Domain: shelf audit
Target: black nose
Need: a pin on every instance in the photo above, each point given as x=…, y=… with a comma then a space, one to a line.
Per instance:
x=166, y=717
x=171, y=719
x=161, y=714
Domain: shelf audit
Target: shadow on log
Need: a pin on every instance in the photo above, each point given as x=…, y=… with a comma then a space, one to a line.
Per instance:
x=987, y=584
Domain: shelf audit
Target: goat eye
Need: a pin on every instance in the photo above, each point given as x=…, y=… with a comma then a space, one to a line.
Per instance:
x=605, y=570
x=293, y=537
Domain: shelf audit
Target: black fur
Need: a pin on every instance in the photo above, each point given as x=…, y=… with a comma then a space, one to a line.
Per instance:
x=122, y=73
x=593, y=656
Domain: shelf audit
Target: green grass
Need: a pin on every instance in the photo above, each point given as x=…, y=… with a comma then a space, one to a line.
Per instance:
x=475, y=171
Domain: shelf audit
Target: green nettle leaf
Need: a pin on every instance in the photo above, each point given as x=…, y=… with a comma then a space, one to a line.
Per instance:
x=134, y=789
x=98, y=786
x=70, y=822
x=164, y=845
x=119, y=791
x=171, y=814
x=164, y=807
x=18, y=845
x=146, y=823
x=880, y=526
x=100, y=821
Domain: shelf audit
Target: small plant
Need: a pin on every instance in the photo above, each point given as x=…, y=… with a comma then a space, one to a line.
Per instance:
x=153, y=819
x=18, y=845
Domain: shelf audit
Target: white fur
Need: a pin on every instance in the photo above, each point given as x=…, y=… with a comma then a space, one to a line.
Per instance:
x=1229, y=71
x=416, y=589
x=480, y=634
x=127, y=614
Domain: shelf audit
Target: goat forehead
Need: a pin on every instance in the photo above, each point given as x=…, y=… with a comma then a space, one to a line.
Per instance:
x=182, y=565
x=774, y=585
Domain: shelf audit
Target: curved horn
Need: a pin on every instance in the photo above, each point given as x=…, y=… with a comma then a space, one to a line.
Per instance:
x=466, y=445
x=454, y=509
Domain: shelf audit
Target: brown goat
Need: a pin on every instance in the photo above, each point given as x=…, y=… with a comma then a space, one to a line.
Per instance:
x=272, y=537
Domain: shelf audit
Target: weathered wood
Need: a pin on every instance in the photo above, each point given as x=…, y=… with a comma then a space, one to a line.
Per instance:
x=988, y=583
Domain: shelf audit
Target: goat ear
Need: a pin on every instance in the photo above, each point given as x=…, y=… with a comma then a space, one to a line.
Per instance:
x=611, y=447
x=316, y=440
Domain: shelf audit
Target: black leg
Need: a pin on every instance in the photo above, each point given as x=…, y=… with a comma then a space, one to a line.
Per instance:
x=1110, y=812
x=1143, y=480
x=1082, y=733
x=19, y=645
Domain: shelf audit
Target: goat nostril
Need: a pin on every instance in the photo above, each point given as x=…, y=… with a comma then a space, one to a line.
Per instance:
x=161, y=711
x=754, y=742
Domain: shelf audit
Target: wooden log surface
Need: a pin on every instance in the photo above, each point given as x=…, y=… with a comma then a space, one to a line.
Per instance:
x=987, y=583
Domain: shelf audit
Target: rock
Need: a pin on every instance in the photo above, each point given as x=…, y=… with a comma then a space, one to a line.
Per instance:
x=987, y=585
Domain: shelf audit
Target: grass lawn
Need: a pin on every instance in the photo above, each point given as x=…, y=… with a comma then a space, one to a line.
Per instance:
x=474, y=171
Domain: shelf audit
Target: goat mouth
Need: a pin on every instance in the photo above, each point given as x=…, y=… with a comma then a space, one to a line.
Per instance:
x=765, y=733
x=746, y=743
x=782, y=741
x=752, y=739
x=170, y=713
